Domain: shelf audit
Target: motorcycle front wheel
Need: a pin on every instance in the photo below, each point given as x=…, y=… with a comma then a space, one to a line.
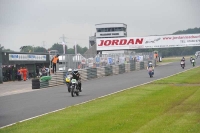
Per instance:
x=77, y=93
x=68, y=87
x=72, y=91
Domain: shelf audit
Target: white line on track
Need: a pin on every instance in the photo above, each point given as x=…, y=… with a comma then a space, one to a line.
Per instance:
x=94, y=99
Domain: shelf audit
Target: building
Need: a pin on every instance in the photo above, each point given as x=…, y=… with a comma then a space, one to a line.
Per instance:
x=111, y=30
x=107, y=30
x=11, y=61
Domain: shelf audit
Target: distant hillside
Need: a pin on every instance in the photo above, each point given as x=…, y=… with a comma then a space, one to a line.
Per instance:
x=188, y=31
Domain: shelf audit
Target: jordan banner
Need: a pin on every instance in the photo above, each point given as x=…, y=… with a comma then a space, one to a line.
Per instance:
x=185, y=40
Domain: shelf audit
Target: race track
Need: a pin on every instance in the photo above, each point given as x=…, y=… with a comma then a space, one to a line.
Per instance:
x=17, y=107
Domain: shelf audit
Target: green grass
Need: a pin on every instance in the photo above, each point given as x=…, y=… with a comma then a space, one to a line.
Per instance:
x=173, y=59
x=164, y=60
x=171, y=105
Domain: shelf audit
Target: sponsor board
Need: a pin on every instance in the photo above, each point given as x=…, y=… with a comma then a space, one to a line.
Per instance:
x=26, y=57
x=169, y=41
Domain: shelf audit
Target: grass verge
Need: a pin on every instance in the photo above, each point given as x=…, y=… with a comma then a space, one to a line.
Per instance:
x=168, y=105
x=173, y=59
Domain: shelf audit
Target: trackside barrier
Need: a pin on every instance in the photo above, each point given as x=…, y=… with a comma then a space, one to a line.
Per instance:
x=141, y=65
x=137, y=66
x=91, y=73
x=121, y=68
x=132, y=66
x=108, y=70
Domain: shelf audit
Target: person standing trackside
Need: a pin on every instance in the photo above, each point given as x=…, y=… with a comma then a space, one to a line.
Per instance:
x=54, y=61
x=24, y=73
x=18, y=75
x=21, y=72
x=37, y=71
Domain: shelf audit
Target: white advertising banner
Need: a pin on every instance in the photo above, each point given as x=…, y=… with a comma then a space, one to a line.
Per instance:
x=121, y=60
x=26, y=57
x=169, y=41
x=139, y=58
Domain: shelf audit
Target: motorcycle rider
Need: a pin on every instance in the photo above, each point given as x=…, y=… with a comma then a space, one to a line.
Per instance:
x=191, y=59
x=150, y=66
x=76, y=75
x=69, y=72
x=67, y=76
x=183, y=61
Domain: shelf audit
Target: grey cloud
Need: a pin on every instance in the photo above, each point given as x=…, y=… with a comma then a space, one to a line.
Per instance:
x=28, y=22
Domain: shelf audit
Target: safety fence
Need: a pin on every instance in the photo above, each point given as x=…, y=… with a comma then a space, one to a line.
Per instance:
x=92, y=73
x=79, y=61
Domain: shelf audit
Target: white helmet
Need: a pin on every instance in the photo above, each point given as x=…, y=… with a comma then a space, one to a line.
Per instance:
x=70, y=70
x=150, y=63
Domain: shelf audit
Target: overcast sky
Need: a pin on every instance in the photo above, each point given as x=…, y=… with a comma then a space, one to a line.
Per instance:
x=30, y=22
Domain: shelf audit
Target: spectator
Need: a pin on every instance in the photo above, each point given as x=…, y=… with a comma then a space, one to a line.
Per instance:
x=18, y=75
x=44, y=71
x=37, y=71
x=54, y=61
x=27, y=75
x=24, y=70
x=21, y=72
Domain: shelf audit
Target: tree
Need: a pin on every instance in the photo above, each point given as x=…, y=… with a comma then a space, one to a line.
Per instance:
x=31, y=49
x=80, y=49
x=188, y=31
x=40, y=49
x=58, y=47
x=25, y=48
x=70, y=51
x=7, y=50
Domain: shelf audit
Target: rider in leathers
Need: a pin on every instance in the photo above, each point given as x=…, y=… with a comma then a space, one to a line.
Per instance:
x=150, y=66
x=76, y=75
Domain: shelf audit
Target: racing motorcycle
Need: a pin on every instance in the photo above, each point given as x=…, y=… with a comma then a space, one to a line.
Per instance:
x=74, y=87
x=193, y=62
x=68, y=80
x=183, y=64
x=151, y=72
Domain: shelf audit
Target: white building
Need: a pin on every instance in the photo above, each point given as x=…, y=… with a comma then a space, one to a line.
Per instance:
x=108, y=30
x=111, y=30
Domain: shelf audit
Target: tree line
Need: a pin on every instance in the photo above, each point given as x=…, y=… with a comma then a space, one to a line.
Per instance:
x=55, y=46
x=165, y=52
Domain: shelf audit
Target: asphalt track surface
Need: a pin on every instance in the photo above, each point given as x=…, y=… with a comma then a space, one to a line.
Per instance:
x=17, y=107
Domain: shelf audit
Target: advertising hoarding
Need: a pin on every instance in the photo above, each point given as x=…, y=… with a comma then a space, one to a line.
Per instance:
x=169, y=41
